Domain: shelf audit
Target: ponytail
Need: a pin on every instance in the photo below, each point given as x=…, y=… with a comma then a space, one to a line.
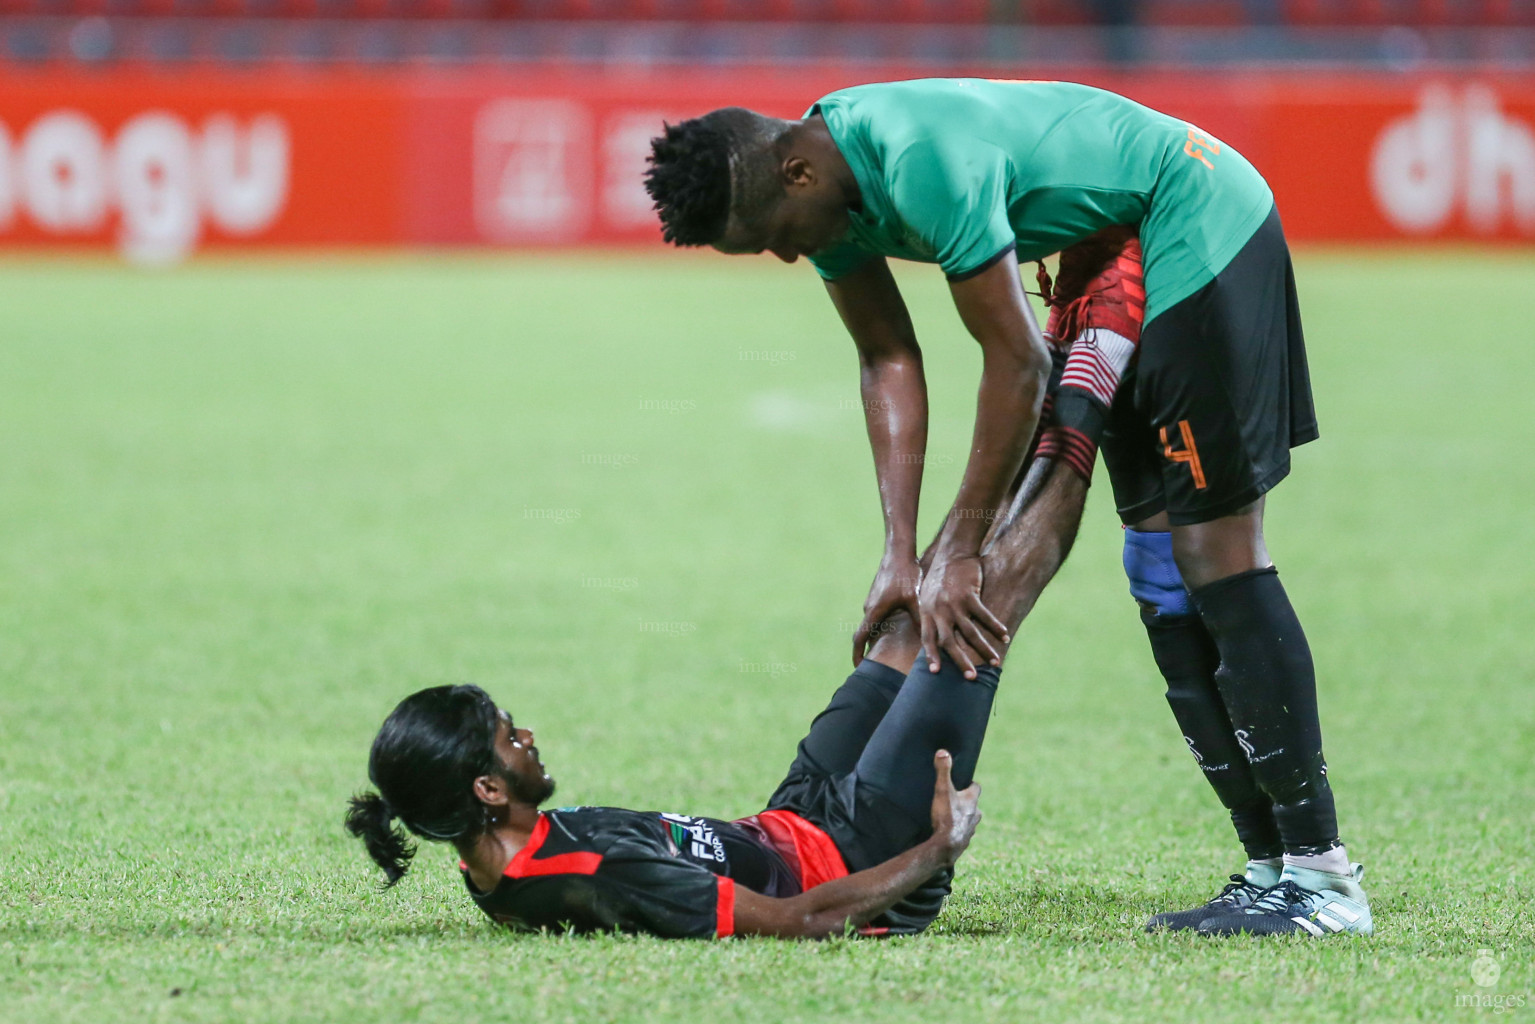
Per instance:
x=424, y=761
x=369, y=818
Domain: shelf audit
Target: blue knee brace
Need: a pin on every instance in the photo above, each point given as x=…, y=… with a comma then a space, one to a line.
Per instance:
x=1154, y=577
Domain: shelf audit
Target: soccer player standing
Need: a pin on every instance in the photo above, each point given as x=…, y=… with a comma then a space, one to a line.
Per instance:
x=975, y=175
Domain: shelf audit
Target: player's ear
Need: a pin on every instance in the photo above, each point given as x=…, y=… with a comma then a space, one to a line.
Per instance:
x=491, y=791
x=797, y=172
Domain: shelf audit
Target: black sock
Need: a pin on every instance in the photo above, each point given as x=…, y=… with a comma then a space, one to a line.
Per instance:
x=1268, y=685
x=1188, y=659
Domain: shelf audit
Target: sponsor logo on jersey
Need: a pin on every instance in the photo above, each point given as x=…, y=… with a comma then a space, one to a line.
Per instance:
x=694, y=837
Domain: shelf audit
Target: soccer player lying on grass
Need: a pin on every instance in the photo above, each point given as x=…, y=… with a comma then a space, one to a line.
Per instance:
x=975, y=175
x=863, y=832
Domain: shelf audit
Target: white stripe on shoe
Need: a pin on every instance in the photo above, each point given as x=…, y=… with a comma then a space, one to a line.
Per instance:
x=1313, y=929
x=1343, y=912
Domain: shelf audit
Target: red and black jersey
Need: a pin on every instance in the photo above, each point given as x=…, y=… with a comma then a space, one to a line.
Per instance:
x=605, y=868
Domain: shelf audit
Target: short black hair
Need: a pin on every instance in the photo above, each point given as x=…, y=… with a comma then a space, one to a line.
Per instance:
x=689, y=179
x=703, y=169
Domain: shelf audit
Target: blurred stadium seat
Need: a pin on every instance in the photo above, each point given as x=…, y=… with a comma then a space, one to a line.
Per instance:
x=1389, y=34
x=1178, y=13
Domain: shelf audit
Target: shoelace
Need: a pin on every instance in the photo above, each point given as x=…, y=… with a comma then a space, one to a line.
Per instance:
x=1277, y=899
x=1073, y=313
x=1238, y=885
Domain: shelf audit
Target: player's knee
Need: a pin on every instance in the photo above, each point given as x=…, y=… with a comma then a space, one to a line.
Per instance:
x=1212, y=551
x=1155, y=581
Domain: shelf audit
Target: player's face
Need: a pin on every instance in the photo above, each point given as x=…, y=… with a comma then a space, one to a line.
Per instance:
x=797, y=226
x=811, y=216
x=523, y=771
x=808, y=223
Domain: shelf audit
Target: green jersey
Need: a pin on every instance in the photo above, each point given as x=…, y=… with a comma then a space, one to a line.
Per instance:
x=957, y=171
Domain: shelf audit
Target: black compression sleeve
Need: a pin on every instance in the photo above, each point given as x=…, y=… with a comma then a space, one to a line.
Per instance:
x=1268, y=685
x=1188, y=660
x=933, y=711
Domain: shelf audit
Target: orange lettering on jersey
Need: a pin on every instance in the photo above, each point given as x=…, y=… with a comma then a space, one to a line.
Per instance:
x=1198, y=143
x=1204, y=140
x=1189, y=454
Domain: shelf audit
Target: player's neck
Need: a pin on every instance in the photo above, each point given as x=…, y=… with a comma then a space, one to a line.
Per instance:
x=823, y=146
x=488, y=854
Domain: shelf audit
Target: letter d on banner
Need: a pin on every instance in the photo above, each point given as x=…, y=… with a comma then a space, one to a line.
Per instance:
x=1414, y=168
x=1456, y=153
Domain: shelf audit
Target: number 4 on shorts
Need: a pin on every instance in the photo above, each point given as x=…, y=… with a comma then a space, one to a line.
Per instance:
x=1189, y=453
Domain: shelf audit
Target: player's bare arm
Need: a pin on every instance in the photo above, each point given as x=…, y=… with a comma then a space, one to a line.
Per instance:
x=894, y=394
x=746, y=184
x=1016, y=368
x=832, y=908
x=1032, y=541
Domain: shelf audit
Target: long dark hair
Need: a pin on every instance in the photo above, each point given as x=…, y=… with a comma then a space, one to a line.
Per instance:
x=424, y=761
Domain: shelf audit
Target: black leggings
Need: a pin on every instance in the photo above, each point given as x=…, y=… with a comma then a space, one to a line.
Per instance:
x=865, y=774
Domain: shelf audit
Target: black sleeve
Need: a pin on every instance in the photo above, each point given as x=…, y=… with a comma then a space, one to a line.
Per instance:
x=664, y=895
x=634, y=889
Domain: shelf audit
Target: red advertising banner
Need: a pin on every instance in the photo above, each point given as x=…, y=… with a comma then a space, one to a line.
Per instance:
x=159, y=164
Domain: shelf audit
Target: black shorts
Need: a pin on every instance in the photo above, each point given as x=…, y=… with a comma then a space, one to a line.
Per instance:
x=821, y=788
x=1205, y=417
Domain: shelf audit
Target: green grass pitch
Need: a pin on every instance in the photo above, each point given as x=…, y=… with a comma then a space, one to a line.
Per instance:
x=245, y=506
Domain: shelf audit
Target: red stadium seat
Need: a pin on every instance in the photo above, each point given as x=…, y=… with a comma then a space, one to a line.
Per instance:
x=1369, y=12
x=1222, y=13
x=1312, y=12
x=1496, y=13
x=1439, y=12
x=1155, y=13
x=457, y=9
x=935, y=12
x=1054, y=12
